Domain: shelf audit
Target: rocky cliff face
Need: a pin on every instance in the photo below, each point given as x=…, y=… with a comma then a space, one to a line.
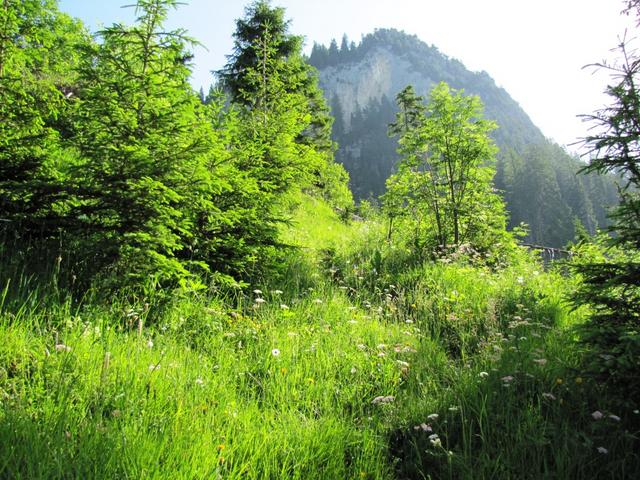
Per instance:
x=356, y=85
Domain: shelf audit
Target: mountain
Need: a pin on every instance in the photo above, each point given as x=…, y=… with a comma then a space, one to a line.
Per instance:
x=537, y=177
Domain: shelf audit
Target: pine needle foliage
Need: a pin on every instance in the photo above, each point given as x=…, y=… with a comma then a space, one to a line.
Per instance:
x=611, y=283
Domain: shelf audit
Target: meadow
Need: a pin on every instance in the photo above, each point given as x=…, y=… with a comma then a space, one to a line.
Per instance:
x=352, y=363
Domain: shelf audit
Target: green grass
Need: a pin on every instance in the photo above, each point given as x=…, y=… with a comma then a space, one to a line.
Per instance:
x=340, y=376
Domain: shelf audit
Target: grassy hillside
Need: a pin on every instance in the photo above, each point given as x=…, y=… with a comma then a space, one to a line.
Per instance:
x=351, y=364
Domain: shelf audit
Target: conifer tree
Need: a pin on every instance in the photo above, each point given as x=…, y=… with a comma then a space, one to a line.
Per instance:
x=144, y=174
x=268, y=59
x=412, y=112
x=344, y=47
x=611, y=283
x=260, y=20
x=334, y=51
x=37, y=56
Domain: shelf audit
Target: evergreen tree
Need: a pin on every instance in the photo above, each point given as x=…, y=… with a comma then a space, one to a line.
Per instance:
x=144, y=145
x=319, y=56
x=265, y=48
x=611, y=283
x=344, y=47
x=337, y=112
x=538, y=201
x=334, y=51
x=412, y=112
x=260, y=19
x=37, y=57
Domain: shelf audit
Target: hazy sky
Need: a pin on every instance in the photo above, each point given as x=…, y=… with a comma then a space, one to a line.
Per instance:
x=534, y=49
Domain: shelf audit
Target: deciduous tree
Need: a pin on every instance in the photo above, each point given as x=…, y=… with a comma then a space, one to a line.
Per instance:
x=445, y=172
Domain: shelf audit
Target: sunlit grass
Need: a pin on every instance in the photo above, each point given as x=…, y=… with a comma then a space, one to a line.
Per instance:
x=357, y=369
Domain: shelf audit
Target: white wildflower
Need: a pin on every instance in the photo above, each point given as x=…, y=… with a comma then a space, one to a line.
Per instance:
x=483, y=374
x=615, y=418
x=597, y=415
x=275, y=352
x=383, y=399
x=603, y=450
x=549, y=396
x=433, y=416
x=257, y=292
x=425, y=427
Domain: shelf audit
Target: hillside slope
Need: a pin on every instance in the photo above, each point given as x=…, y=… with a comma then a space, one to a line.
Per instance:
x=361, y=82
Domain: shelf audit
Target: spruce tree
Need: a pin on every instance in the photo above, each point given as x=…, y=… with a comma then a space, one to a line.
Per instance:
x=144, y=174
x=268, y=59
x=260, y=20
x=37, y=57
x=611, y=284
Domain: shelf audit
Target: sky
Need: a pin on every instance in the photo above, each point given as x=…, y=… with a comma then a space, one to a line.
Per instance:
x=536, y=50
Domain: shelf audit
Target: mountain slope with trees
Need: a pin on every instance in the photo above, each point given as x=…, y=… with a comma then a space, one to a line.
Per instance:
x=537, y=177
